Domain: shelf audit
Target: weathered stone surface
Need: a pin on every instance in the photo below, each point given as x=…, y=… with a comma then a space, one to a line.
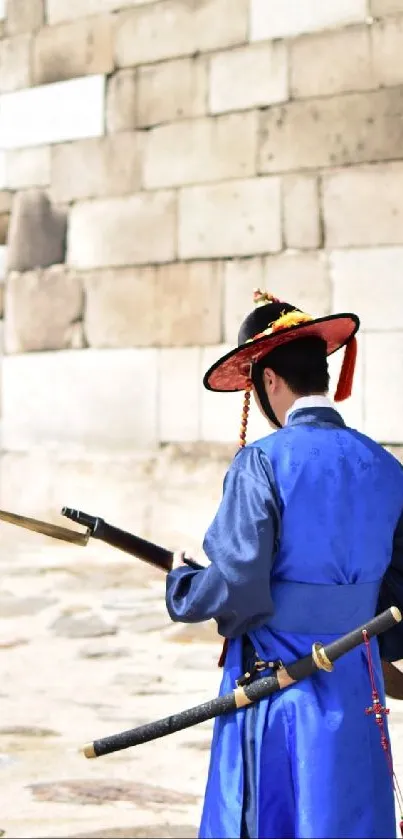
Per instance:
x=301, y=216
x=387, y=46
x=383, y=423
x=59, y=10
x=97, y=650
x=174, y=305
x=4, y=225
x=123, y=231
x=99, y=792
x=331, y=62
x=363, y=206
x=97, y=167
x=6, y=201
x=89, y=626
x=15, y=66
x=361, y=278
x=180, y=374
x=385, y=7
x=96, y=398
x=251, y=209
x=172, y=90
x=3, y=264
x=3, y=180
x=37, y=232
x=248, y=77
x=121, y=98
x=178, y=27
x=52, y=113
x=73, y=50
x=354, y=128
x=197, y=151
x=12, y=607
x=28, y=167
x=299, y=278
x=284, y=18
x=23, y=16
x=41, y=308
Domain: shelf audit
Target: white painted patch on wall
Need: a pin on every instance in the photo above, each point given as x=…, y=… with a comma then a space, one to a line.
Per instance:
x=53, y=113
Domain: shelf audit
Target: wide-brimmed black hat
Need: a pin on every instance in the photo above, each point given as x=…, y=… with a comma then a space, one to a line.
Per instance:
x=271, y=324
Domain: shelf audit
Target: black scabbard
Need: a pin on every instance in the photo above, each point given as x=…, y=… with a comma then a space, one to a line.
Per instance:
x=242, y=697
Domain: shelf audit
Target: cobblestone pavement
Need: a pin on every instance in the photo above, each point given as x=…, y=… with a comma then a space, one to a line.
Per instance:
x=86, y=650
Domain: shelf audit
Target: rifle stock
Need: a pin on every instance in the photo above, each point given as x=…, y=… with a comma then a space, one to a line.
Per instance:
x=149, y=552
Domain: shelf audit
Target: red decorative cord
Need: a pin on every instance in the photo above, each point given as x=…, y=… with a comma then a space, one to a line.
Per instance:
x=379, y=711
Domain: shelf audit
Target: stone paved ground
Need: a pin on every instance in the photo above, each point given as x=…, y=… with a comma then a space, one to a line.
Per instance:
x=87, y=650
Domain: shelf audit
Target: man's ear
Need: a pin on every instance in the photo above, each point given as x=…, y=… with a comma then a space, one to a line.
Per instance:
x=270, y=379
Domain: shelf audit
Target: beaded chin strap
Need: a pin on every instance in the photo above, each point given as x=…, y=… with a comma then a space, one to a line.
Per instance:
x=245, y=414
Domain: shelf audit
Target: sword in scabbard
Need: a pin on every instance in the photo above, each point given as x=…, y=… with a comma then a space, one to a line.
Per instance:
x=244, y=695
x=97, y=528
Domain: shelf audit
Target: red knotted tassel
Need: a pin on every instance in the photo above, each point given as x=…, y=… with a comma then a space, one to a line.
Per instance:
x=345, y=383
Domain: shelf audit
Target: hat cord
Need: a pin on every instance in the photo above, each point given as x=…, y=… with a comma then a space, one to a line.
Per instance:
x=245, y=414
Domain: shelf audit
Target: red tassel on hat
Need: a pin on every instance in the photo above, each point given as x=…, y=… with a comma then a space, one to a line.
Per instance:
x=345, y=383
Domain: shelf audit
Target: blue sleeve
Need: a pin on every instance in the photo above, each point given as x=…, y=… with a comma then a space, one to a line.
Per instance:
x=391, y=594
x=240, y=544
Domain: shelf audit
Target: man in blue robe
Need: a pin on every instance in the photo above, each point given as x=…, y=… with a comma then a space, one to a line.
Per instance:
x=306, y=545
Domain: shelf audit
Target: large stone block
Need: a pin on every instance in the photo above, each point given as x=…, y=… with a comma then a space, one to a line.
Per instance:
x=385, y=7
x=387, y=46
x=37, y=235
x=331, y=62
x=15, y=63
x=121, y=99
x=4, y=225
x=301, y=217
x=97, y=167
x=2, y=9
x=3, y=177
x=92, y=398
x=173, y=305
x=28, y=167
x=197, y=151
x=42, y=308
x=285, y=18
x=180, y=373
x=383, y=396
x=261, y=73
x=174, y=28
x=52, y=113
x=73, y=50
x=298, y=278
x=363, y=206
x=172, y=90
x=362, y=278
x=354, y=128
x=59, y=11
x=3, y=263
x=251, y=210
x=25, y=15
x=123, y=231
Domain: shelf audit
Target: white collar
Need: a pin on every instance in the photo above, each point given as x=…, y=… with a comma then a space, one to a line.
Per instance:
x=315, y=401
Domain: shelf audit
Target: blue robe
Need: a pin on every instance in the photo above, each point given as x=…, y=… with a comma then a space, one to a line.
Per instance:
x=306, y=545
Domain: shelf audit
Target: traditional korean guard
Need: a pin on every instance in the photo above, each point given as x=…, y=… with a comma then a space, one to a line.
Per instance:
x=307, y=542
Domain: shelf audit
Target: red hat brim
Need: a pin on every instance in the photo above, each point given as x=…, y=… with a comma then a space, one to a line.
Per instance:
x=232, y=371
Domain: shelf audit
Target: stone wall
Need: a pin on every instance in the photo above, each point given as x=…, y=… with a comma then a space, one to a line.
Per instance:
x=169, y=156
